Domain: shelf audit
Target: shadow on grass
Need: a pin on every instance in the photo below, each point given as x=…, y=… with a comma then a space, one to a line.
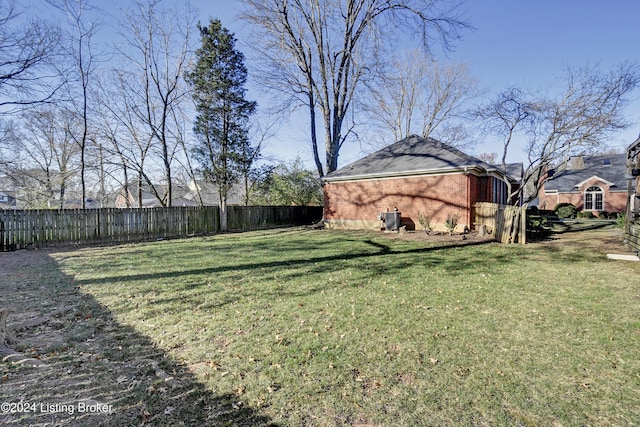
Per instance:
x=556, y=229
x=241, y=278
x=562, y=227
x=327, y=262
x=95, y=364
x=565, y=243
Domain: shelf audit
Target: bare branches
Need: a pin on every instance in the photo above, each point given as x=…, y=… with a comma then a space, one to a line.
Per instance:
x=317, y=53
x=420, y=96
x=160, y=47
x=508, y=113
x=28, y=48
x=80, y=52
x=578, y=120
x=589, y=112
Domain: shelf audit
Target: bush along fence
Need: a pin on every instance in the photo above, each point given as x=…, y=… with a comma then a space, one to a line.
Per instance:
x=506, y=224
x=20, y=229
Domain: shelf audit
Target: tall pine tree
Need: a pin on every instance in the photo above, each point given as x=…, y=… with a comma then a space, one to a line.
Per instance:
x=223, y=149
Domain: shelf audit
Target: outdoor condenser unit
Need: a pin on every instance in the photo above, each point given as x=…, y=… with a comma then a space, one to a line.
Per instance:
x=392, y=220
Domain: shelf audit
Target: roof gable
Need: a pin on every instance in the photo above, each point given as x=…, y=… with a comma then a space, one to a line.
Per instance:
x=608, y=168
x=411, y=156
x=595, y=178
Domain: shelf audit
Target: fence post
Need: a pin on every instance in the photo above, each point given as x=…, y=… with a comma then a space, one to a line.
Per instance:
x=1, y=230
x=523, y=225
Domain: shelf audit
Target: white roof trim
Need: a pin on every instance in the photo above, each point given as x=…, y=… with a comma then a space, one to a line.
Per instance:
x=470, y=169
x=607, y=183
x=405, y=174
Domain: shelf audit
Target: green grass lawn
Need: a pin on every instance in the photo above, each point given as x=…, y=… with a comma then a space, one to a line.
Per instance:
x=347, y=328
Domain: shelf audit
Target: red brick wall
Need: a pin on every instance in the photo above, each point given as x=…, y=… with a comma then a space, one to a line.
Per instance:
x=438, y=194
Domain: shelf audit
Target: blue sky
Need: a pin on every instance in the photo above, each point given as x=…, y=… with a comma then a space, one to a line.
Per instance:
x=520, y=43
x=528, y=43
x=523, y=43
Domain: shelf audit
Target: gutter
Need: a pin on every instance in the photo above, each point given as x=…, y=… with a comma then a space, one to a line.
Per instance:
x=403, y=174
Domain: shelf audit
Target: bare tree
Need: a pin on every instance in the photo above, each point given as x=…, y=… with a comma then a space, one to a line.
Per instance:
x=49, y=154
x=488, y=157
x=80, y=51
x=586, y=111
x=125, y=130
x=7, y=155
x=318, y=52
x=159, y=50
x=417, y=95
x=396, y=96
x=28, y=49
x=510, y=112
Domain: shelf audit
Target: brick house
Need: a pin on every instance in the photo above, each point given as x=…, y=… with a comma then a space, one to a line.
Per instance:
x=7, y=193
x=196, y=193
x=413, y=175
x=590, y=183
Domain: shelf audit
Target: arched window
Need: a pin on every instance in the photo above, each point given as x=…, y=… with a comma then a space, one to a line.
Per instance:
x=594, y=199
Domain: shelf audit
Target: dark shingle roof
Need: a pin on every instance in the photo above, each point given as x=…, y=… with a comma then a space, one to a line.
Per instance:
x=410, y=156
x=514, y=170
x=610, y=167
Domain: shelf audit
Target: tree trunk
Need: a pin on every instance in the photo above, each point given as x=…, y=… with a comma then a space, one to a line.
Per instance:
x=314, y=136
x=223, y=215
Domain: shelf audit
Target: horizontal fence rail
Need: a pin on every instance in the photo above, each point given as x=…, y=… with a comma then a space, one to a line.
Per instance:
x=21, y=229
x=632, y=235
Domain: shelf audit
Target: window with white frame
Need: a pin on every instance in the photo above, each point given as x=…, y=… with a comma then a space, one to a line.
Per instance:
x=594, y=199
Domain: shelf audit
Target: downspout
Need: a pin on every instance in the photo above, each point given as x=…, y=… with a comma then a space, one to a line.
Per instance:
x=470, y=208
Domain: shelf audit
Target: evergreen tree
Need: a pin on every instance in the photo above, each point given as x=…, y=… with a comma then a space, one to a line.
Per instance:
x=217, y=80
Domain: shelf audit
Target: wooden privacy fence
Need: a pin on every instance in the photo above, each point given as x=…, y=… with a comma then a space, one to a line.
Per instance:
x=255, y=217
x=507, y=224
x=632, y=235
x=37, y=228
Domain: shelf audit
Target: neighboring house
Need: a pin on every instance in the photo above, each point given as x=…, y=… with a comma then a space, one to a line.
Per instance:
x=206, y=193
x=197, y=193
x=148, y=197
x=414, y=175
x=591, y=183
x=8, y=198
x=74, y=204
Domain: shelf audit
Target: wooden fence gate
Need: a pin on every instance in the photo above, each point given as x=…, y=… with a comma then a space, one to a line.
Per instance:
x=507, y=224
